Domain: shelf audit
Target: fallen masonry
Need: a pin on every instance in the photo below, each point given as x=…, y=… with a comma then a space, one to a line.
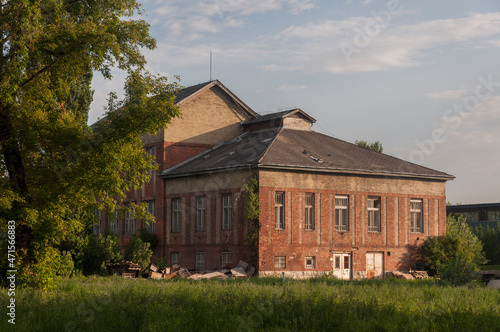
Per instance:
x=241, y=270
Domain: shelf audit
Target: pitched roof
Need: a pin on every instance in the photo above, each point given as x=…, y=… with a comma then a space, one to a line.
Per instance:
x=279, y=116
x=191, y=91
x=299, y=150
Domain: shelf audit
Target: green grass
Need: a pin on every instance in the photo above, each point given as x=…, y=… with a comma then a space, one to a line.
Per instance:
x=258, y=304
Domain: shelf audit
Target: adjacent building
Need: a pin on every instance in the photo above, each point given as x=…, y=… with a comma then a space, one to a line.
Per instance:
x=326, y=206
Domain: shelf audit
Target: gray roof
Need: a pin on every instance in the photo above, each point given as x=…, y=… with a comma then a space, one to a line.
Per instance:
x=279, y=116
x=300, y=150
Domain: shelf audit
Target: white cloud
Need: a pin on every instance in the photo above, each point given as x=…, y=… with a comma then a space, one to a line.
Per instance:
x=287, y=88
x=448, y=94
x=361, y=44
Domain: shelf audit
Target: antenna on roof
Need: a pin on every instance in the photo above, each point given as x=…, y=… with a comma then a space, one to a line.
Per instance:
x=210, y=65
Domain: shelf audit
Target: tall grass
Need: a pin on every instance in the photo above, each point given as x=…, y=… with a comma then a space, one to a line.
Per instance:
x=118, y=304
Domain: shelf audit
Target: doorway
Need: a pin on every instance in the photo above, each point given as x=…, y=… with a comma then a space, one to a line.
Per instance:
x=375, y=265
x=342, y=266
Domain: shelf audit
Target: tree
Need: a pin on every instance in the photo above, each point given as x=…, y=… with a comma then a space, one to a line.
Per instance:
x=454, y=255
x=54, y=169
x=375, y=146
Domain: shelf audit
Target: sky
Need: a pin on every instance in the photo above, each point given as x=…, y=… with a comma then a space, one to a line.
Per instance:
x=422, y=77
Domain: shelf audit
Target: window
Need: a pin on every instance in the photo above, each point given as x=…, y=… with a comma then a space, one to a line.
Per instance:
x=471, y=216
x=341, y=213
x=310, y=262
x=337, y=262
x=174, y=258
x=150, y=151
x=176, y=215
x=200, y=261
x=113, y=222
x=416, y=216
x=309, y=212
x=373, y=214
x=150, y=226
x=130, y=222
x=346, y=262
x=279, y=210
x=225, y=259
x=96, y=228
x=227, y=210
x=493, y=215
x=279, y=262
x=200, y=213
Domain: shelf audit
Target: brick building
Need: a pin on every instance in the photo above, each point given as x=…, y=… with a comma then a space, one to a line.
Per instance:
x=327, y=206
x=485, y=215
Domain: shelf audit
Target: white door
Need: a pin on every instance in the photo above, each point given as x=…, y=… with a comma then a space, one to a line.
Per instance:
x=374, y=265
x=342, y=266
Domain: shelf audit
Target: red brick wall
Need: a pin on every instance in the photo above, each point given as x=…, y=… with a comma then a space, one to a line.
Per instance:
x=395, y=239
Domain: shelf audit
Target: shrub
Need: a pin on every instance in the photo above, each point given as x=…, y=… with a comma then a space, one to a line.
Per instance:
x=138, y=252
x=458, y=271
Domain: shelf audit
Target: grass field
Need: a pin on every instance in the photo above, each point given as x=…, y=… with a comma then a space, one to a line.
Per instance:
x=118, y=304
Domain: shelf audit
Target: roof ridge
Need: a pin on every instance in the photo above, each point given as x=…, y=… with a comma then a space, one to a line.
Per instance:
x=386, y=155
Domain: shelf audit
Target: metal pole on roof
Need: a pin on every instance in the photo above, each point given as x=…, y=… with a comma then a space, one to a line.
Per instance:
x=210, y=65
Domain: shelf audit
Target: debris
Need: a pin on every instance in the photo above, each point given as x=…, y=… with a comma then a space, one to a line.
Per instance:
x=153, y=268
x=250, y=271
x=125, y=269
x=242, y=264
x=420, y=274
x=495, y=283
x=239, y=272
x=155, y=275
x=403, y=275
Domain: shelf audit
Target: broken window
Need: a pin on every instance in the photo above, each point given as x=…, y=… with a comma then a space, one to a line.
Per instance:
x=96, y=227
x=309, y=212
x=200, y=213
x=374, y=214
x=174, y=258
x=310, y=262
x=225, y=259
x=279, y=210
x=130, y=227
x=279, y=262
x=176, y=215
x=227, y=211
x=416, y=216
x=200, y=261
x=341, y=213
x=150, y=226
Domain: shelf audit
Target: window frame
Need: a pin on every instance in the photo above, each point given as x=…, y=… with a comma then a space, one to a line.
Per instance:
x=199, y=262
x=309, y=210
x=312, y=264
x=172, y=255
x=341, y=213
x=113, y=222
x=227, y=212
x=176, y=215
x=374, y=214
x=201, y=213
x=96, y=227
x=225, y=258
x=279, y=210
x=130, y=222
x=416, y=215
x=151, y=209
x=280, y=262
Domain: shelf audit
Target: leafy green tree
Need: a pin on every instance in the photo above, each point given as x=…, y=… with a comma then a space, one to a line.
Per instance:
x=455, y=254
x=375, y=146
x=54, y=169
x=490, y=237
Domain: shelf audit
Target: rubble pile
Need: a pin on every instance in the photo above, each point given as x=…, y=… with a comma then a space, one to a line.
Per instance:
x=241, y=270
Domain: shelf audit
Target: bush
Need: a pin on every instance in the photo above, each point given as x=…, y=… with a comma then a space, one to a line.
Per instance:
x=458, y=271
x=455, y=255
x=490, y=237
x=138, y=252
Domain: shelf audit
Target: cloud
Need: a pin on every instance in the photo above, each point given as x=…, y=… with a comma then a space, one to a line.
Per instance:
x=287, y=88
x=361, y=44
x=448, y=94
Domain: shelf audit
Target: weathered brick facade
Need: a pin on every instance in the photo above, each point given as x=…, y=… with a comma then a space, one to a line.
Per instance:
x=206, y=158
